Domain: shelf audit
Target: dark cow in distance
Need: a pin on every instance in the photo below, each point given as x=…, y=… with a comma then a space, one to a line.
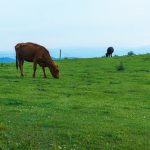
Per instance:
x=38, y=55
x=110, y=50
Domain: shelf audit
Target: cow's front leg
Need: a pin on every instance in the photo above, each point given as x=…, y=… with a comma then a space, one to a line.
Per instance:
x=34, y=68
x=44, y=72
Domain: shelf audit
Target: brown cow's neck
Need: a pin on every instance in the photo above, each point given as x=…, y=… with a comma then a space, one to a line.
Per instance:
x=52, y=64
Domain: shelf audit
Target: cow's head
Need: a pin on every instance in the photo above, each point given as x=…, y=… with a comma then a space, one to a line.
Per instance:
x=55, y=71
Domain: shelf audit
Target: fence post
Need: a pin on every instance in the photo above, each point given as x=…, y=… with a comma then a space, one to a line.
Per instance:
x=60, y=55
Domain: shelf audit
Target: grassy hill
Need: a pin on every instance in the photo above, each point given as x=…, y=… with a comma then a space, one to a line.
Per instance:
x=93, y=106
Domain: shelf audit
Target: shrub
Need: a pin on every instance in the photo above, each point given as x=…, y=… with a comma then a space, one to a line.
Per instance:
x=1, y=64
x=120, y=67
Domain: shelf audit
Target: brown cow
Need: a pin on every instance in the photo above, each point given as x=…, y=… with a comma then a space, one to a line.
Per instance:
x=38, y=55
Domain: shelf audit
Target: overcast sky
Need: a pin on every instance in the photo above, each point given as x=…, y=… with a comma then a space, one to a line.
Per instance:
x=75, y=23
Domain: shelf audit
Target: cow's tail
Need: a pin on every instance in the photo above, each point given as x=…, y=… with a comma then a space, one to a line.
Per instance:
x=16, y=62
x=16, y=47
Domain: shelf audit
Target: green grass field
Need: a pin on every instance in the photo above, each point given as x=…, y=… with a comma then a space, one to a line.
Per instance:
x=93, y=106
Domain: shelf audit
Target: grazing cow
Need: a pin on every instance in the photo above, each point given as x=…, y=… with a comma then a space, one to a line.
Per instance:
x=110, y=50
x=38, y=55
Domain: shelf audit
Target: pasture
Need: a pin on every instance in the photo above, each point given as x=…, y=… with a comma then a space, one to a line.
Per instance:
x=93, y=106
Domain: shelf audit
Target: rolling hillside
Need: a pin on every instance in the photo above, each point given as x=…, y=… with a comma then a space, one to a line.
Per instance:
x=93, y=106
x=6, y=60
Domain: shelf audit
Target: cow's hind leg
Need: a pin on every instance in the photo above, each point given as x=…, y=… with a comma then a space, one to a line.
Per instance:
x=44, y=72
x=34, y=68
x=22, y=62
x=21, y=67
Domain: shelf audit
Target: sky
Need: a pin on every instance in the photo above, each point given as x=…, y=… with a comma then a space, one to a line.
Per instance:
x=75, y=23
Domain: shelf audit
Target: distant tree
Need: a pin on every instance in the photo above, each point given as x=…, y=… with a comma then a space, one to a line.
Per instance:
x=131, y=53
x=65, y=57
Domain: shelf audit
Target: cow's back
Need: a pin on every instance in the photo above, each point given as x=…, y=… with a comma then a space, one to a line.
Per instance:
x=30, y=51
